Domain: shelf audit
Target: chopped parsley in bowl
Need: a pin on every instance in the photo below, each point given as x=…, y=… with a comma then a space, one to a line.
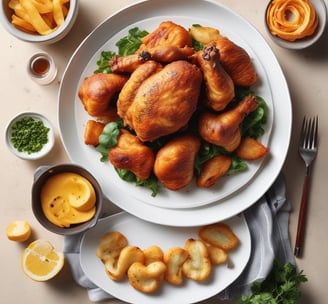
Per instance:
x=30, y=136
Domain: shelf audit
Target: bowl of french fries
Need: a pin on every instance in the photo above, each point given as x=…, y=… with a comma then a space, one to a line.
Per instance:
x=39, y=21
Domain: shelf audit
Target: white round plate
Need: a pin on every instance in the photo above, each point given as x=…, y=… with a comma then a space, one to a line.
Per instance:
x=137, y=233
x=192, y=206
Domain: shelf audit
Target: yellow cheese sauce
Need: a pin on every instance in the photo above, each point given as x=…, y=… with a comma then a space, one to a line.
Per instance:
x=68, y=198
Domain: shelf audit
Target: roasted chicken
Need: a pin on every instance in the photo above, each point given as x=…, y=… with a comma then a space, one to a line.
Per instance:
x=236, y=61
x=131, y=154
x=164, y=102
x=224, y=129
x=219, y=85
x=166, y=34
x=98, y=91
x=174, y=163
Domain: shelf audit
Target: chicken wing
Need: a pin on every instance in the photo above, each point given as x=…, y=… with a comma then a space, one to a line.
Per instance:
x=131, y=154
x=174, y=163
x=236, y=61
x=98, y=90
x=224, y=129
x=165, y=101
x=219, y=85
x=129, y=63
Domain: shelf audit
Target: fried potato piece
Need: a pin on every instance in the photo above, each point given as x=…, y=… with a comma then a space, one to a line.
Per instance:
x=236, y=61
x=131, y=154
x=219, y=235
x=166, y=34
x=146, y=279
x=110, y=246
x=153, y=254
x=174, y=259
x=251, y=149
x=217, y=255
x=198, y=265
x=127, y=256
x=98, y=90
x=212, y=170
x=174, y=163
x=204, y=34
x=92, y=131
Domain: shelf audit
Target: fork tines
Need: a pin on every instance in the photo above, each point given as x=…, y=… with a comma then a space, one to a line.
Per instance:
x=309, y=132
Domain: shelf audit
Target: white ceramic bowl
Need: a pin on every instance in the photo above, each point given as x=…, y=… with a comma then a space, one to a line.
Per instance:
x=58, y=34
x=321, y=10
x=35, y=155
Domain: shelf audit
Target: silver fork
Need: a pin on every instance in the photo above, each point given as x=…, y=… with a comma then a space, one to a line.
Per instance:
x=308, y=149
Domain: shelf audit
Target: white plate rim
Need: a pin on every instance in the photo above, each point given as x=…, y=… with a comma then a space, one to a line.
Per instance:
x=228, y=206
x=171, y=236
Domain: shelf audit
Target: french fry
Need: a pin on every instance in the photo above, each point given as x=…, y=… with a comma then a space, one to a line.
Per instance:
x=38, y=16
x=35, y=18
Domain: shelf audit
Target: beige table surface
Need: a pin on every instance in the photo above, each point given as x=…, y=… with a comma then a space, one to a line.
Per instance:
x=307, y=75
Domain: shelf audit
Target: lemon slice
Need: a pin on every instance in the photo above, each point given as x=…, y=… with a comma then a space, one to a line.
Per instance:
x=18, y=231
x=41, y=262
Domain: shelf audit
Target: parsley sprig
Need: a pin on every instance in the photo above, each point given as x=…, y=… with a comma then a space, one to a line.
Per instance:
x=282, y=286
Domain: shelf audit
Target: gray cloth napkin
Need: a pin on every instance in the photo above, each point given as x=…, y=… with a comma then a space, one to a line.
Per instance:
x=268, y=224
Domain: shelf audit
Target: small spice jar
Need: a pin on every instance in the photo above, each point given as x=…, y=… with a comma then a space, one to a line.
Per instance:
x=42, y=68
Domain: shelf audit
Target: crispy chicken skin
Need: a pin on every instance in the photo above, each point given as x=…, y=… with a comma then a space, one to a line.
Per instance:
x=127, y=64
x=166, y=34
x=174, y=163
x=97, y=91
x=218, y=84
x=224, y=129
x=162, y=54
x=128, y=92
x=165, y=101
x=236, y=61
x=131, y=154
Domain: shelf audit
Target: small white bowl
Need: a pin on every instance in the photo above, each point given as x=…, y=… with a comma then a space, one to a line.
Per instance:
x=35, y=155
x=321, y=11
x=5, y=18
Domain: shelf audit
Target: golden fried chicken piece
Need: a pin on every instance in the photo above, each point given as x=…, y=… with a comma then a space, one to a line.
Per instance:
x=98, y=90
x=236, y=61
x=219, y=85
x=162, y=54
x=128, y=92
x=174, y=163
x=165, y=101
x=130, y=154
x=129, y=63
x=167, y=54
x=224, y=129
x=166, y=34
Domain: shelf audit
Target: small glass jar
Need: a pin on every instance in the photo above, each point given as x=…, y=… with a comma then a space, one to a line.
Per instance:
x=42, y=68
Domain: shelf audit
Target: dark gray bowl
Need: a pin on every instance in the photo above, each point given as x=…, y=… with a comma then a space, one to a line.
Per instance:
x=41, y=176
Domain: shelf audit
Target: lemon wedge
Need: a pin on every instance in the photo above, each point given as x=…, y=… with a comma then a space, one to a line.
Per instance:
x=18, y=231
x=41, y=262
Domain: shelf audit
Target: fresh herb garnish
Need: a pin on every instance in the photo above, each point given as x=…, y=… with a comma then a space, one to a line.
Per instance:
x=129, y=44
x=108, y=138
x=103, y=62
x=282, y=286
x=29, y=135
